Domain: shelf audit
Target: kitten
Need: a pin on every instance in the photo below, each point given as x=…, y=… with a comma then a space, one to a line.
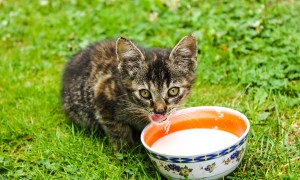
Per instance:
x=118, y=87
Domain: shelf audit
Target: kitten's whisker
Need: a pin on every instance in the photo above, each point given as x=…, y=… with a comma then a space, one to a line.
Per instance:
x=186, y=115
x=175, y=109
x=136, y=110
x=182, y=107
x=121, y=95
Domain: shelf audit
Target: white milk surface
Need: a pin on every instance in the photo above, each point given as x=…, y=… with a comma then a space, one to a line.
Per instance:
x=194, y=142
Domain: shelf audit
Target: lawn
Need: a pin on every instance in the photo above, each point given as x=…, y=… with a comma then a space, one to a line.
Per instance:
x=249, y=60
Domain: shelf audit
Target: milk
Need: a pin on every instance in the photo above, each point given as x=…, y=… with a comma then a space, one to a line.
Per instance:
x=194, y=141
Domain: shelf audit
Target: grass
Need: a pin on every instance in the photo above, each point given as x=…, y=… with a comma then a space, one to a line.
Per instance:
x=249, y=60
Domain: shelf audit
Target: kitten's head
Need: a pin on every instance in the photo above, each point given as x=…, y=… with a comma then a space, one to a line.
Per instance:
x=157, y=80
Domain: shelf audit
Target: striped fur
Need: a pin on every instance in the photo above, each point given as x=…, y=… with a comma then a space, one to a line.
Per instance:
x=101, y=85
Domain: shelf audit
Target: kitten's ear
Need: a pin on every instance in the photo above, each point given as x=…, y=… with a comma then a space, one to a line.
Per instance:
x=184, y=54
x=129, y=56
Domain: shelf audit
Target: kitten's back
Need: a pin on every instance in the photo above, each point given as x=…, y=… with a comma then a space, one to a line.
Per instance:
x=80, y=74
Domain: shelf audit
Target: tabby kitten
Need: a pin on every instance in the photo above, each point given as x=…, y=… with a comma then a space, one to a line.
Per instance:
x=119, y=88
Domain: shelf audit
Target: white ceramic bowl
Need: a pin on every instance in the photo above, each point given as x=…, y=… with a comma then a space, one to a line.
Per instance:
x=210, y=165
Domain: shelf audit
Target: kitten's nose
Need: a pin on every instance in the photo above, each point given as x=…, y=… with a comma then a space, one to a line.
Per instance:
x=160, y=107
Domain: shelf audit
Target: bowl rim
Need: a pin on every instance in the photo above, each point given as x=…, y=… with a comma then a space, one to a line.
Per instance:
x=241, y=139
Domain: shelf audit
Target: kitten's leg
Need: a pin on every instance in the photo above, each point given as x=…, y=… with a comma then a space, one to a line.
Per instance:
x=118, y=132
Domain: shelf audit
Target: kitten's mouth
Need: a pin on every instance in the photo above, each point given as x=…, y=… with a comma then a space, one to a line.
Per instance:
x=158, y=118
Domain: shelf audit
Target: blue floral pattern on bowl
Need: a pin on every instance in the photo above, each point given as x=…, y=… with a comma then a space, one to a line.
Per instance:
x=198, y=158
x=186, y=170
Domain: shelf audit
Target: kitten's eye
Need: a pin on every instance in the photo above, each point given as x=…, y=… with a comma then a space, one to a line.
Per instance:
x=145, y=94
x=173, y=91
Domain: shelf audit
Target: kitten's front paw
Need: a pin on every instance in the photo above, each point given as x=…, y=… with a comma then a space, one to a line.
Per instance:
x=122, y=144
x=120, y=135
x=122, y=139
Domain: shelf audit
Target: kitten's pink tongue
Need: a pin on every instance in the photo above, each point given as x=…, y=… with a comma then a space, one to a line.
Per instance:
x=157, y=117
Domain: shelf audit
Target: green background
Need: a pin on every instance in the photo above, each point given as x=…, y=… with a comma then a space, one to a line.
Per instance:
x=249, y=60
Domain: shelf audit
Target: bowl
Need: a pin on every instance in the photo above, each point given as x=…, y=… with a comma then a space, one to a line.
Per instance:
x=204, y=142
